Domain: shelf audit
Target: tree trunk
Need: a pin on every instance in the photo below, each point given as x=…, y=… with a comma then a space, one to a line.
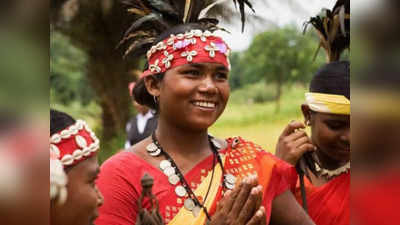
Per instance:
x=278, y=95
x=108, y=75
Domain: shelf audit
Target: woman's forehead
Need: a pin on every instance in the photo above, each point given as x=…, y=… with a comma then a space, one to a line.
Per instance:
x=331, y=116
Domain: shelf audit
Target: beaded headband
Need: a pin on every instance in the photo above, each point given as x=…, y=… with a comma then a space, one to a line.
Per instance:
x=74, y=144
x=195, y=46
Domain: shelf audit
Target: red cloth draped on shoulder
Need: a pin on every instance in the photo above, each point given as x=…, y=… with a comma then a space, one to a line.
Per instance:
x=328, y=204
x=119, y=181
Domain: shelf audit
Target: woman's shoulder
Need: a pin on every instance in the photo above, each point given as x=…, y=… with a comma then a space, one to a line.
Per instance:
x=123, y=160
x=245, y=146
x=241, y=146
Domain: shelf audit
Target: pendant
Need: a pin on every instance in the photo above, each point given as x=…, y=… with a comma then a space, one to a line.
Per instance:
x=216, y=143
x=169, y=171
x=180, y=191
x=165, y=164
x=230, y=178
x=173, y=179
x=230, y=181
x=155, y=153
x=229, y=186
x=196, y=211
x=151, y=147
x=153, y=150
x=189, y=204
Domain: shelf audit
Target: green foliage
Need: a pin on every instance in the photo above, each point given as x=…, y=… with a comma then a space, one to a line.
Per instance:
x=68, y=82
x=253, y=93
x=283, y=55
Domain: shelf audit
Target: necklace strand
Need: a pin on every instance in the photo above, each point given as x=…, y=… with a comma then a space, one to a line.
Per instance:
x=182, y=178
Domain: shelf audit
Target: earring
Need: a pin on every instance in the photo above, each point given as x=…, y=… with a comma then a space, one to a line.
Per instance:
x=308, y=123
x=155, y=99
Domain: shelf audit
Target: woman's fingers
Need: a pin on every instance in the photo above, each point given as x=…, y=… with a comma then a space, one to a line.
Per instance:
x=295, y=136
x=291, y=127
x=252, y=204
x=243, y=195
x=259, y=218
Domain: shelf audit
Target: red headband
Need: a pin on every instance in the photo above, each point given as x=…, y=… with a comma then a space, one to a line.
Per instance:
x=73, y=144
x=194, y=46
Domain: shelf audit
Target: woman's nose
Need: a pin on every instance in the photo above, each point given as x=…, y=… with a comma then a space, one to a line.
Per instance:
x=346, y=135
x=208, y=86
x=100, y=198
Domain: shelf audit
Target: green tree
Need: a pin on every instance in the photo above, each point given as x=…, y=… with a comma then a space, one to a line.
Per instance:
x=281, y=56
x=68, y=82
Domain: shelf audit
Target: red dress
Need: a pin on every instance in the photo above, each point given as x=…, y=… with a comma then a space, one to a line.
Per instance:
x=328, y=204
x=119, y=181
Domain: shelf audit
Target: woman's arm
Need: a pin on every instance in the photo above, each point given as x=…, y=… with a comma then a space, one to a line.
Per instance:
x=286, y=211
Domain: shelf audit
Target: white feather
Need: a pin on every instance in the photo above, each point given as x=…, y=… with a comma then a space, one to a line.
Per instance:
x=204, y=12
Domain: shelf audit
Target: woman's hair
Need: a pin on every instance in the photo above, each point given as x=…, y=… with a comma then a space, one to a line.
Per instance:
x=332, y=78
x=139, y=92
x=59, y=121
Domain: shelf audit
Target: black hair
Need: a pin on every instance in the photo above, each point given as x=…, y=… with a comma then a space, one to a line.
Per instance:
x=332, y=78
x=59, y=121
x=139, y=92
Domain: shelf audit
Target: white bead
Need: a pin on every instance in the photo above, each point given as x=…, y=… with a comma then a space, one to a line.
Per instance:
x=54, y=149
x=67, y=160
x=56, y=138
x=81, y=141
x=86, y=152
x=77, y=154
x=65, y=134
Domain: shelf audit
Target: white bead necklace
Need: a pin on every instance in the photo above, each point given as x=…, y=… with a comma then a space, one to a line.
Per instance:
x=332, y=173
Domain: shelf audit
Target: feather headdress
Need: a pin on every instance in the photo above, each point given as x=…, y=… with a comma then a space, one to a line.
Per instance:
x=156, y=16
x=333, y=28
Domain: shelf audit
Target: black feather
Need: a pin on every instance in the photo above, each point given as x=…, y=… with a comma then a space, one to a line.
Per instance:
x=163, y=7
x=334, y=39
x=153, y=18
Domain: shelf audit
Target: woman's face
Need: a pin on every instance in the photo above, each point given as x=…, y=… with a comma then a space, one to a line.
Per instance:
x=330, y=133
x=83, y=196
x=194, y=95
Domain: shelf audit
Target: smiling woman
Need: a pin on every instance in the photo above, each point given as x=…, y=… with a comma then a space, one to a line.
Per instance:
x=198, y=179
x=73, y=171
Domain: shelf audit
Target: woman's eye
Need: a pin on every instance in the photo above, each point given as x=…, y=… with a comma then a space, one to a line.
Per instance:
x=222, y=76
x=335, y=125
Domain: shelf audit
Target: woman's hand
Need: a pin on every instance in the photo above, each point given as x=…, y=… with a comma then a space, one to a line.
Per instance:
x=293, y=143
x=241, y=206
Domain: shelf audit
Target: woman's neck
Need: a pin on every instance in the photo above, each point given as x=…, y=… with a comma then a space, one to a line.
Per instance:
x=327, y=162
x=178, y=141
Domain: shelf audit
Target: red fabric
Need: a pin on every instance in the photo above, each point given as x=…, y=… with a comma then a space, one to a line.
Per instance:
x=375, y=199
x=184, y=45
x=119, y=182
x=69, y=146
x=328, y=204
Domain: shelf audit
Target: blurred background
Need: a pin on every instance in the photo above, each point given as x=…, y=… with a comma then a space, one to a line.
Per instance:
x=89, y=80
x=272, y=63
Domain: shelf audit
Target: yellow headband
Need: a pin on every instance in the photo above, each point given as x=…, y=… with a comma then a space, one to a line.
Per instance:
x=327, y=103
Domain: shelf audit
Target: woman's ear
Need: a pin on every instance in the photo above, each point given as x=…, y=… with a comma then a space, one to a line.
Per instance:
x=306, y=113
x=152, y=85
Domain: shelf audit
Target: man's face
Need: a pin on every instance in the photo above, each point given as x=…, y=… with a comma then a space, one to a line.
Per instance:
x=140, y=108
x=83, y=196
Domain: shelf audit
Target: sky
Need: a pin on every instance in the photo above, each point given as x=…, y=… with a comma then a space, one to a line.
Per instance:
x=278, y=12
